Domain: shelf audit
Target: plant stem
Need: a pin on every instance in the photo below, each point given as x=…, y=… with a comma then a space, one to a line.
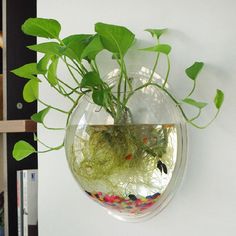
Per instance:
x=80, y=69
x=73, y=90
x=119, y=91
x=67, y=95
x=194, y=86
x=60, y=90
x=82, y=66
x=130, y=94
x=77, y=70
x=52, y=149
x=195, y=117
x=168, y=72
x=126, y=79
x=126, y=76
x=62, y=43
x=71, y=73
x=190, y=121
x=49, y=128
x=54, y=108
x=96, y=66
x=111, y=105
x=154, y=68
x=119, y=82
x=72, y=108
x=92, y=66
x=125, y=89
x=183, y=113
x=45, y=145
x=155, y=64
x=204, y=126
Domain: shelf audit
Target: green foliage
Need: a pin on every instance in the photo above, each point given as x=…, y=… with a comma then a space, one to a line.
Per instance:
x=42, y=65
x=50, y=48
x=39, y=117
x=93, y=48
x=82, y=46
x=161, y=48
x=91, y=80
x=45, y=28
x=79, y=38
x=100, y=97
x=193, y=71
x=27, y=71
x=194, y=103
x=75, y=45
x=52, y=70
x=219, y=99
x=116, y=39
x=79, y=53
x=22, y=149
x=132, y=159
x=156, y=32
x=30, y=91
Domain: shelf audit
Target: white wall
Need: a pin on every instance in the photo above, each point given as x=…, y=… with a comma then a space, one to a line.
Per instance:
x=205, y=204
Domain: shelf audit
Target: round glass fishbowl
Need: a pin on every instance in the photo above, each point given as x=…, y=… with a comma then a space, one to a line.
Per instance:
x=133, y=168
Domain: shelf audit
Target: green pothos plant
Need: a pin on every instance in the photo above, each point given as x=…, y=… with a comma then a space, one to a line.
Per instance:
x=79, y=54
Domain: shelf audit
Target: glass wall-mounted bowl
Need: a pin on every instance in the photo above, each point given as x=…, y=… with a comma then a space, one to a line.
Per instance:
x=132, y=169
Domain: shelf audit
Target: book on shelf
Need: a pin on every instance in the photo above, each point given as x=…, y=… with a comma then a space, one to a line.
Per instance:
x=27, y=202
x=19, y=190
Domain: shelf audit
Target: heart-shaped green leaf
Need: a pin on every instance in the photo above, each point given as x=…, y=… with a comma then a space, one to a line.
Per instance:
x=219, y=99
x=91, y=79
x=100, y=97
x=22, y=149
x=193, y=71
x=42, y=65
x=50, y=48
x=156, y=32
x=39, y=117
x=161, y=48
x=40, y=27
x=93, y=48
x=78, y=38
x=194, y=103
x=75, y=45
x=28, y=71
x=30, y=91
x=116, y=39
x=52, y=72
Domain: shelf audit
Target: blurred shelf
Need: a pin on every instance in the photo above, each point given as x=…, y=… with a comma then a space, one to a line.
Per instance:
x=17, y=126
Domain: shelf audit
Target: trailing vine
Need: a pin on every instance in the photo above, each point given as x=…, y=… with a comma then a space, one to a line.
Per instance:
x=79, y=54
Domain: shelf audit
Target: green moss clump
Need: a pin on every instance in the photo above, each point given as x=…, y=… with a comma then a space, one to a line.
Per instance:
x=120, y=155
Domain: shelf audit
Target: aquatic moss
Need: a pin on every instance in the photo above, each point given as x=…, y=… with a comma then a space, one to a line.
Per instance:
x=120, y=158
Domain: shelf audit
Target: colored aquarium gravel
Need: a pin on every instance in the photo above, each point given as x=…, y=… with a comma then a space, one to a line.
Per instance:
x=130, y=204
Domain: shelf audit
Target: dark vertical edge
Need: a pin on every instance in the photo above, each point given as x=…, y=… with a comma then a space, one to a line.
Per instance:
x=16, y=55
